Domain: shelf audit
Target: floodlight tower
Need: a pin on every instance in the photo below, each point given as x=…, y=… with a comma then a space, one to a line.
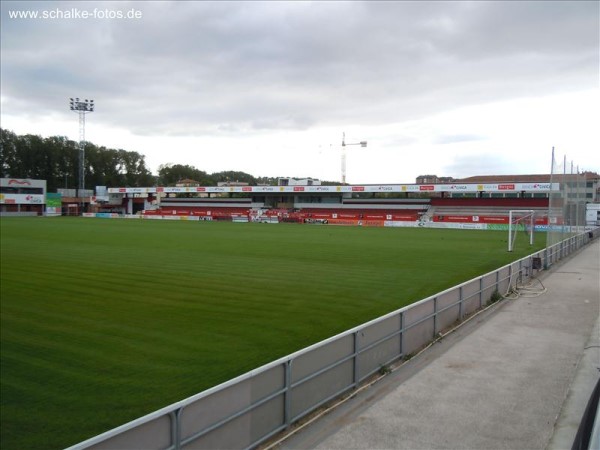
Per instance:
x=344, y=144
x=82, y=107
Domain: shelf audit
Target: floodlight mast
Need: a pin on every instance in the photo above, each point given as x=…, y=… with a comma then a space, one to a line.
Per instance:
x=82, y=107
x=344, y=144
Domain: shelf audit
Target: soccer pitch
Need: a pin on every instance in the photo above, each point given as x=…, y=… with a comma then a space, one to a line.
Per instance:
x=103, y=321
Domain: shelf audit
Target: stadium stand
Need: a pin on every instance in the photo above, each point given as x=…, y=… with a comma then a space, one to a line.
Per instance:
x=483, y=200
x=359, y=212
x=485, y=210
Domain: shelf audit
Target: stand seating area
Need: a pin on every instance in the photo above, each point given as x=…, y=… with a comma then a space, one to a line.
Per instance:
x=482, y=210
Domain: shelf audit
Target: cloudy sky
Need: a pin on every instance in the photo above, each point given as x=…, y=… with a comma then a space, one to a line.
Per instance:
x=449, y=88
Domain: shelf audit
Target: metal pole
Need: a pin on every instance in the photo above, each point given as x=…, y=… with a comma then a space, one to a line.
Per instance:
x=355, y=365
x=550, y=215
x=287, y=399
x=578, y=200
x=480, y=292
x=81, y=150
x=565, y=197
x=82, y=107
x=401, y=334
x=435, y=318
x=343, y=158
x=532, y=225
x=510, y=231
x=344, y=144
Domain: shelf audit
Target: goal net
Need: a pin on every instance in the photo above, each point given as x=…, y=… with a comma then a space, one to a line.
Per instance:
x=566, y=206
x=520, y=222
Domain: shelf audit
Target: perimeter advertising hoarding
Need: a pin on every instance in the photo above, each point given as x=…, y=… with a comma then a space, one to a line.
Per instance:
x=22, y=199
x=22, y=191
x=493, y=187
x=366, y=223
x=53, y=204
x=22, y=183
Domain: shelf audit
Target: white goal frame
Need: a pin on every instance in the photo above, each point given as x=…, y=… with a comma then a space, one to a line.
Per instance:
x=520, y=214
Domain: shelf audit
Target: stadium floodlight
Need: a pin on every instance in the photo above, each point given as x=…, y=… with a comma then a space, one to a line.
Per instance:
x=344, y=144
x=82, y=108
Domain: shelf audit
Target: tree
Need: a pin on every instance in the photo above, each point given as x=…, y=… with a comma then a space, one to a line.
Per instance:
x=234, y=176
x=56, y=160
x=8, y=152
x=170, y=174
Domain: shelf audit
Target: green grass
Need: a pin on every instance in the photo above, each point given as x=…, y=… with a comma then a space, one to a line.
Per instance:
x=103, y=321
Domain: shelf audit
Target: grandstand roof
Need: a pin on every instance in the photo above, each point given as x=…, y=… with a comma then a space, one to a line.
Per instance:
x=494, y=186
x=539, y=178
x=507, y=178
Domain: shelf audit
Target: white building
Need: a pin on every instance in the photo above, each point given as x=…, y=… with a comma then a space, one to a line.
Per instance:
x=298, y=182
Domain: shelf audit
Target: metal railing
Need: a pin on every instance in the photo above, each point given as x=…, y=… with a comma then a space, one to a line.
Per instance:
x=248, y=410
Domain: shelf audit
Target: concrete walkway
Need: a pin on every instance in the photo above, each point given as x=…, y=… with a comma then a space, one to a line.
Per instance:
x=517, y=376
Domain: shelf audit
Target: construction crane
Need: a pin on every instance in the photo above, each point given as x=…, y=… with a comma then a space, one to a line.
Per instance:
x=344, y=144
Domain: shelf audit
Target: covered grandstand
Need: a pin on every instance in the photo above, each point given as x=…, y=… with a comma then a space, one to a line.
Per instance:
x=449, y=205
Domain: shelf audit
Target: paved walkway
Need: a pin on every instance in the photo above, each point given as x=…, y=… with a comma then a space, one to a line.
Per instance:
x=518, y=376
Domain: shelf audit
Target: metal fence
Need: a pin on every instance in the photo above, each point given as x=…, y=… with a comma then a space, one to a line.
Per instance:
x=248, y=410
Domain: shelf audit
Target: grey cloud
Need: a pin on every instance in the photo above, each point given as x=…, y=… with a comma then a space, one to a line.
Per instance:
x=212, y=67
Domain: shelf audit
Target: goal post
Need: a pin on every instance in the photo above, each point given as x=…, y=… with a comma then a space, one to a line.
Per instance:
x=520, y=218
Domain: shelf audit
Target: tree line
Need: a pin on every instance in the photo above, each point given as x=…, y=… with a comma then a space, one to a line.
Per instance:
x=56, y=160
x=170, y=174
